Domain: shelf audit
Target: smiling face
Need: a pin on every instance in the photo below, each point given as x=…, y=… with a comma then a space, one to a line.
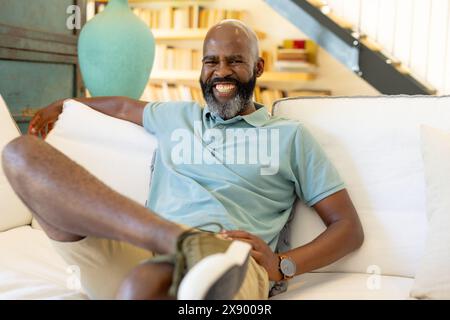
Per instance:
x=230, y=68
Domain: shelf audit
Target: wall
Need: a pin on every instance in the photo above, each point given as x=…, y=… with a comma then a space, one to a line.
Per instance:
x=331, y=74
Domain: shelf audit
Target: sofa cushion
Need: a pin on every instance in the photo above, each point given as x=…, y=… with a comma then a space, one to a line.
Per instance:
x=374, y=143
x=116, y=151
x=31, y=269
x=347, y=286
x=433, y=277
x=13, y=212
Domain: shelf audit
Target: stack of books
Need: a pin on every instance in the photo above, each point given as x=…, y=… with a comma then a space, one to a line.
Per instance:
x=172, y=92
x=296, y=55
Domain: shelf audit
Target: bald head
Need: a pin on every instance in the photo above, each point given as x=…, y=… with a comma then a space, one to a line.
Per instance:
x=233, y=31
x=230, y=66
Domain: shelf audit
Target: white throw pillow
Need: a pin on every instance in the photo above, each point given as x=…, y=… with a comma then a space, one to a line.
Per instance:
x=433, y=276
x=13, y=212
x=117, y=152
x=374, y=142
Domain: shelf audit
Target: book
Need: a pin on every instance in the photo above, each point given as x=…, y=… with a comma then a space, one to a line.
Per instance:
x=306, y=46
x=184, y=93
x=172, y=92
x=257, y=94
x=203, y=17
x=292, y=54
x=294, y=43
x=181, y=18
x=165, y=21
x=160, y=57
x=194, y=16
x=294, y=66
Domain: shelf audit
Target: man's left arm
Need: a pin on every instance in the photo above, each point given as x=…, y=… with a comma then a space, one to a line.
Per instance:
x=343, y=235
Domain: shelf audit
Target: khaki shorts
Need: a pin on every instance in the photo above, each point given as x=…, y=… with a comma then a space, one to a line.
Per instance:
x=103, y=264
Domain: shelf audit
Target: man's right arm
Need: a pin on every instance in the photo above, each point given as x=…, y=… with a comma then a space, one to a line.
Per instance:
x=118, y=107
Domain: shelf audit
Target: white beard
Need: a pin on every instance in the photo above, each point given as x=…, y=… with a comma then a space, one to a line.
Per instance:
x=228, y=110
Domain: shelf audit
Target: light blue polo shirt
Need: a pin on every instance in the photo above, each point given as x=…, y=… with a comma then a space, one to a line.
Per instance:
x=245, y=172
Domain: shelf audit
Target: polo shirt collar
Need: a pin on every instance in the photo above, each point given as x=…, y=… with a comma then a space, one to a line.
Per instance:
x=256, y=119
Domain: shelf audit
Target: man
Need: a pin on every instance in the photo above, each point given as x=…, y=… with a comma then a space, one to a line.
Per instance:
x=197, y=179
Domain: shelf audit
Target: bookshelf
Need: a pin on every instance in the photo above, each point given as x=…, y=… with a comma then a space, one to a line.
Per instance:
x=188, y=34
x=179, y=28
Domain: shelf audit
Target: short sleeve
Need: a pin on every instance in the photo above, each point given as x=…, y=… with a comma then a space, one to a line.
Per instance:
x=155, y=114
x=315, y=176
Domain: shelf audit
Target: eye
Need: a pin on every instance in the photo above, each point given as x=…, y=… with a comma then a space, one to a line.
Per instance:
x=210, y=62
x=236, y=61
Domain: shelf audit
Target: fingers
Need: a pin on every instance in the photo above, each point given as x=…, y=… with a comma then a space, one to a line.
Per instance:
x=245, y=236
x=238, y=234
x=47, y=129
x=38, y=126
x=245, y=240
x=32, y=128
x=251, y=242
x=44, y=119
x=43, y=131
x=258, y=256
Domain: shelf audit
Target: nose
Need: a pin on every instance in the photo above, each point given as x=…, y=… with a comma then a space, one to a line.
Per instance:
x=222, y=70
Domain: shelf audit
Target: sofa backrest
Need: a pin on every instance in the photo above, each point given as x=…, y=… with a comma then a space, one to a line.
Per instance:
x=374, y=143
x=13, y=212
x=117, y=152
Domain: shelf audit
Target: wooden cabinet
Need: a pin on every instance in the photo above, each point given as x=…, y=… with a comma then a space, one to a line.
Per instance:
x=38, y=55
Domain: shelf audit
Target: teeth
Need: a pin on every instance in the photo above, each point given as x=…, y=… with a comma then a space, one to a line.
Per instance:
x=224, y=88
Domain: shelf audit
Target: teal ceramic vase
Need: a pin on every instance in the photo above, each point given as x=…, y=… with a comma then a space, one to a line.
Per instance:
x=116, y=50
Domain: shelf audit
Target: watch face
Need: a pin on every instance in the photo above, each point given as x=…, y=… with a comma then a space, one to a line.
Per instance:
x=288, y=267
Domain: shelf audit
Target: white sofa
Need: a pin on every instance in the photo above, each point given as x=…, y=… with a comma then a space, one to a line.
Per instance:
x=373, y=141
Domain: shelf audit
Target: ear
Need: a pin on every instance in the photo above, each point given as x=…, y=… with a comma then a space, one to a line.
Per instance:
x=259, y=67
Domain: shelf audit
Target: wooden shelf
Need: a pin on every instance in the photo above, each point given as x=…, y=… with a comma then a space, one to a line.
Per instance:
x=276, y=76
x=188, y=34
x=192, y=76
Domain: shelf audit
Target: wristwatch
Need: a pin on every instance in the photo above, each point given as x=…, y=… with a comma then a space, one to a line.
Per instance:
x=287, y=267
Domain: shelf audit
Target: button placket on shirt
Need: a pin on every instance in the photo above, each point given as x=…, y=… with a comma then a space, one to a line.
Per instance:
x=220, y=127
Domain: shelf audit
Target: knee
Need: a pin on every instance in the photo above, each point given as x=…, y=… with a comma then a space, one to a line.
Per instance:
x=137, y=286
x=17, y=153
x=146, y=282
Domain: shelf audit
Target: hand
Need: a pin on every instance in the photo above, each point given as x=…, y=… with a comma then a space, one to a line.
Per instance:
x=261, y=252
x=44, y=120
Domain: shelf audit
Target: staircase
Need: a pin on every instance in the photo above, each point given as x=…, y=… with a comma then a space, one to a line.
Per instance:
x=347, y=43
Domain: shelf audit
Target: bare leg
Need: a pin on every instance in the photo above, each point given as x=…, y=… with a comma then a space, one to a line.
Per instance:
x=71, y=203
x=147, y=281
